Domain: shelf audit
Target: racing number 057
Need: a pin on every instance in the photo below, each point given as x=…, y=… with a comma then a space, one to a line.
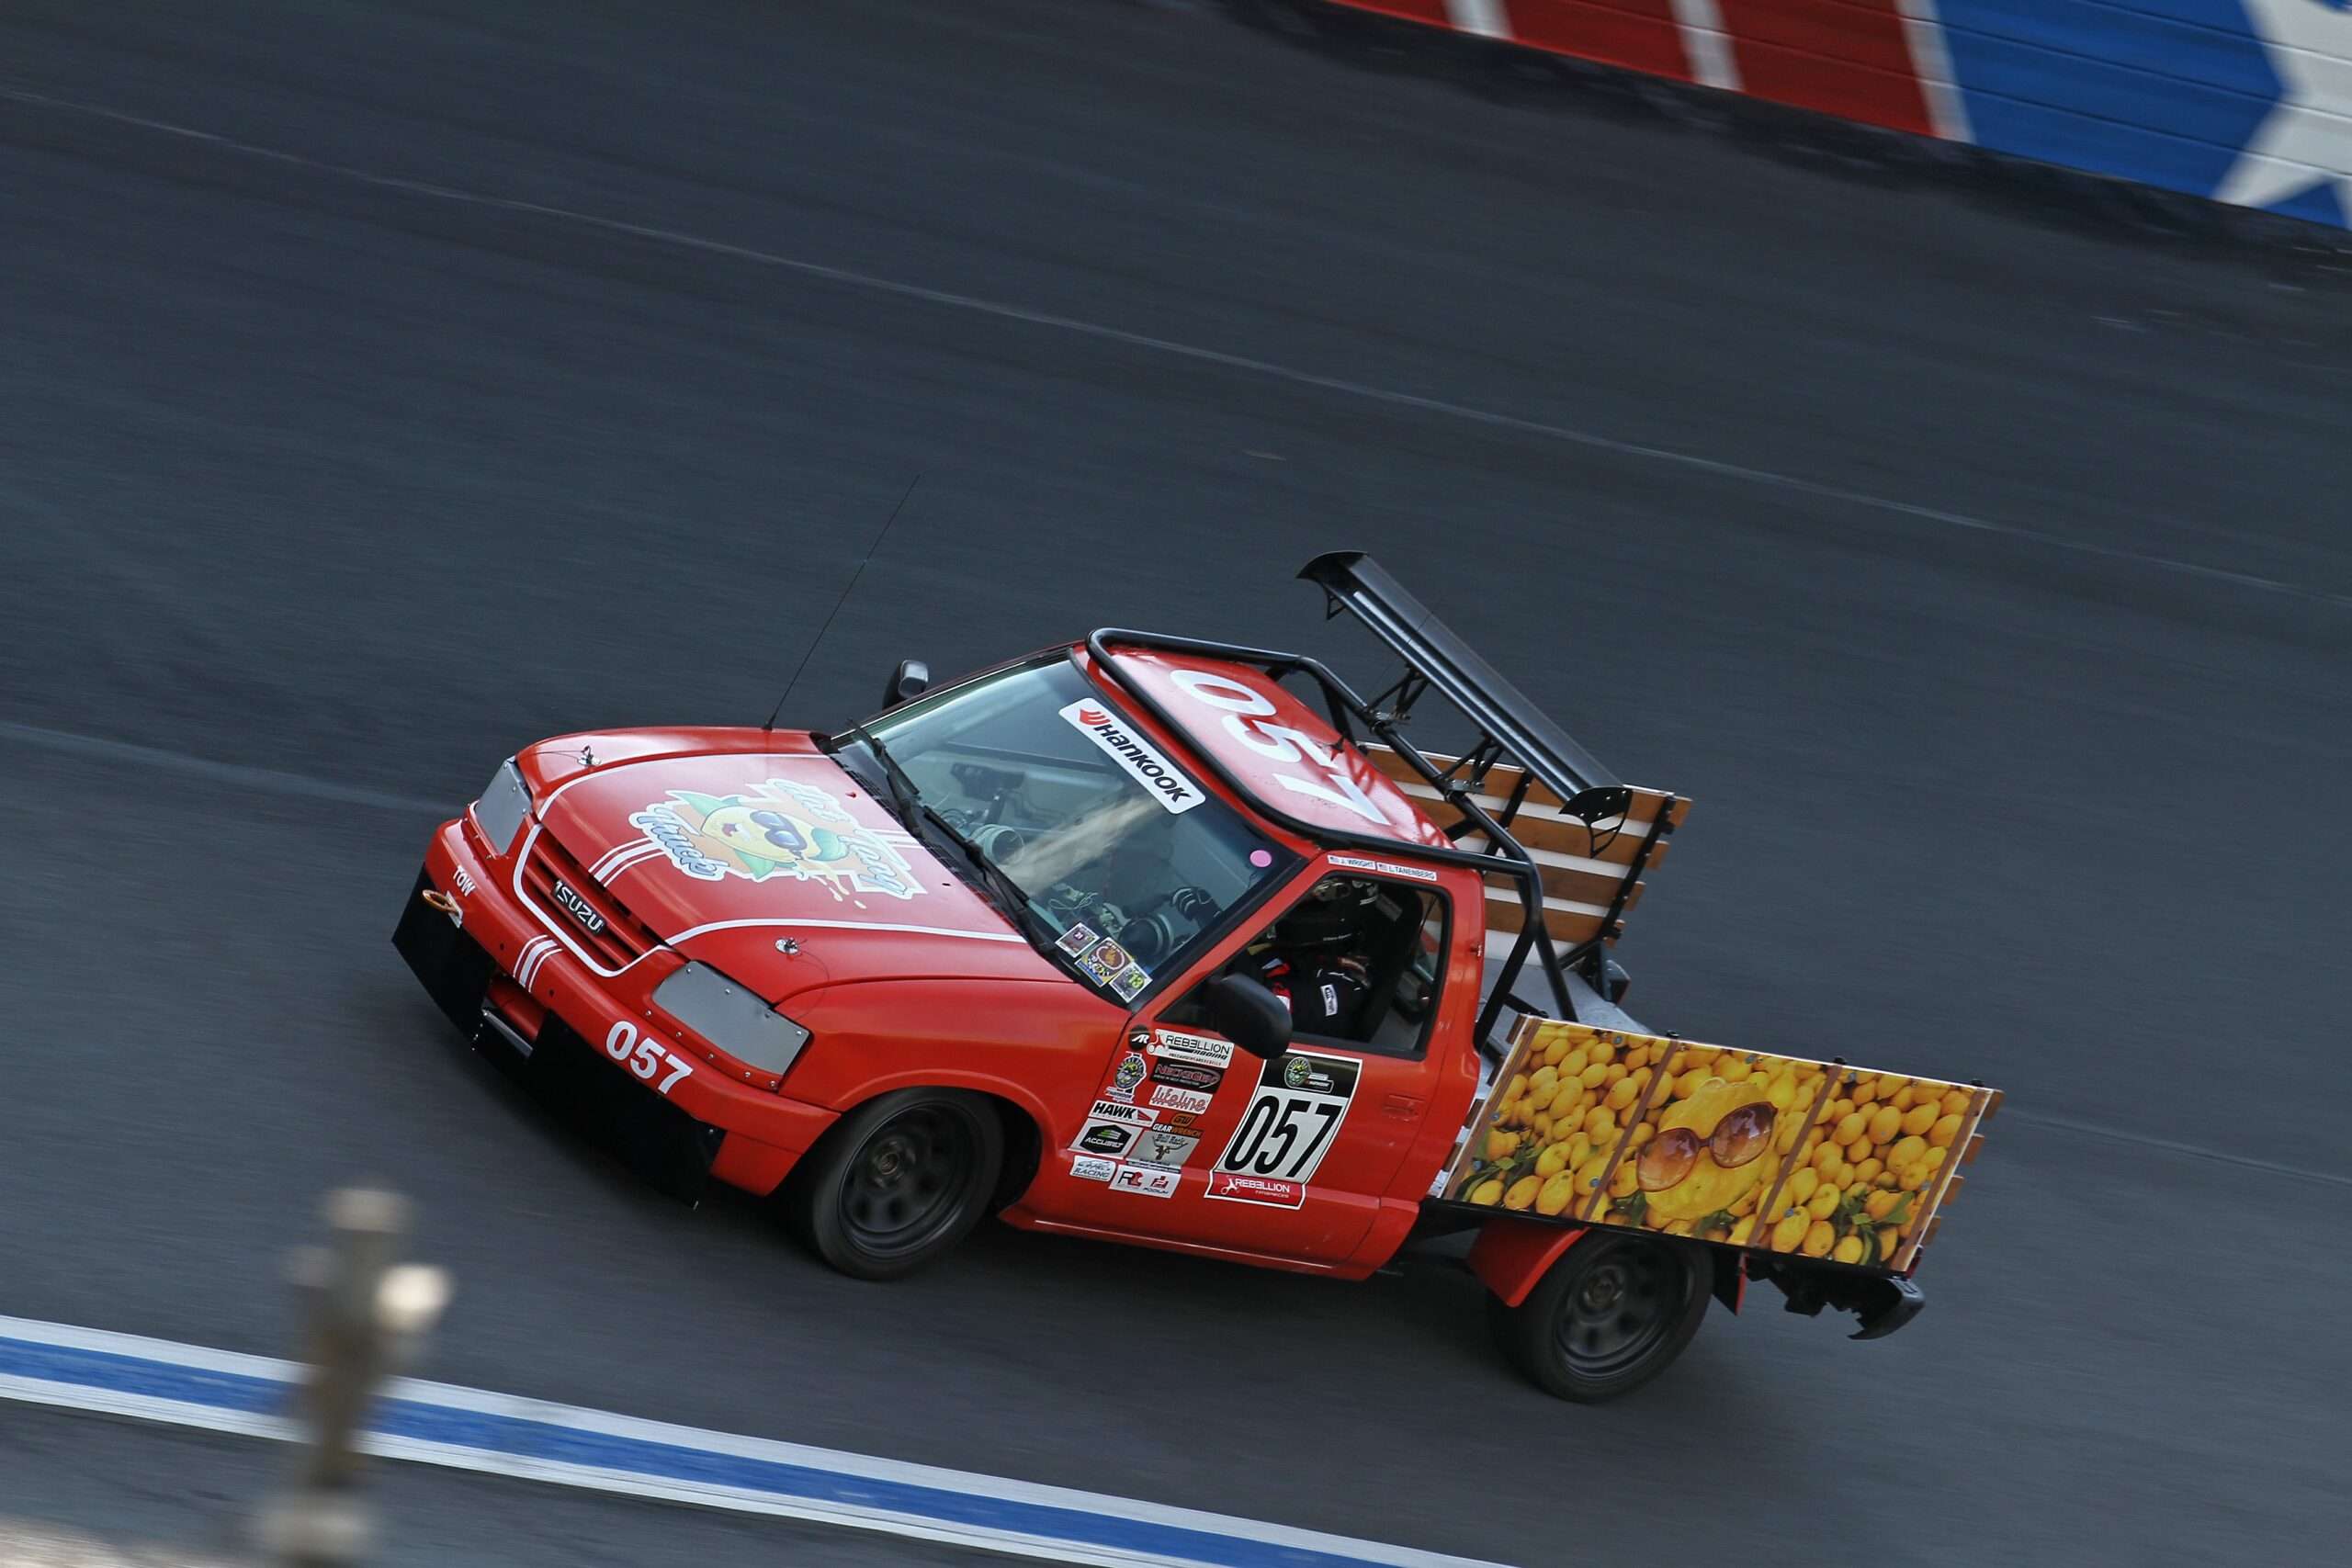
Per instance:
x=1292, y=1117
x=645, y=1056
x=1246, y=715
x=1283, y=1136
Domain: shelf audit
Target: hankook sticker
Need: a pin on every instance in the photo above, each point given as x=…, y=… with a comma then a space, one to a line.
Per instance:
x=1160, y=778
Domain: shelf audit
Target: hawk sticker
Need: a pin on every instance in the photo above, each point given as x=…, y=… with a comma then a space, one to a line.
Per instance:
x=777, y=828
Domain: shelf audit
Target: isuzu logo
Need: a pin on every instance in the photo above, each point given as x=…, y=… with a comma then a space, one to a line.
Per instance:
x=579, y=908
x=1142, y=759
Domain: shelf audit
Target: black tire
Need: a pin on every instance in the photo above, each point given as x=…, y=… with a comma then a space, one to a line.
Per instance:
x=897, y=1181
x=1612, y=1313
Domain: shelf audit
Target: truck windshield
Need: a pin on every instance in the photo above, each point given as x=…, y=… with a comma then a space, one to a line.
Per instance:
x=1117, y=846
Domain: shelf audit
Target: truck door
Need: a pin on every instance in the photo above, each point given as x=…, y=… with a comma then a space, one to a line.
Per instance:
x=1290, y=1157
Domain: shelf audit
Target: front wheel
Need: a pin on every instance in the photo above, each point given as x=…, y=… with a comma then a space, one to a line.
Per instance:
x=897, y=1181
x=1612, y=1313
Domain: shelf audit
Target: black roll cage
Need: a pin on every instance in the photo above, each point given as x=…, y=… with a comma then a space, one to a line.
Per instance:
x=1511, y=730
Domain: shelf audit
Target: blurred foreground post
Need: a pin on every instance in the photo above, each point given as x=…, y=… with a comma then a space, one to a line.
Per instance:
x=366, y=1315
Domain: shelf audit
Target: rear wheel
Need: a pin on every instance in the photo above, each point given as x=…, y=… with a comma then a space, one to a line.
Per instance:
x=1612, y=1313
x=899, y=1182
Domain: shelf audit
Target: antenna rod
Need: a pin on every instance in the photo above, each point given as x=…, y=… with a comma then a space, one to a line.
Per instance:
x=846, y=591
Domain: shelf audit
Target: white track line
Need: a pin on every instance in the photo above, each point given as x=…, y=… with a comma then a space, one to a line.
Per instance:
x=852, y=278
x=70, y=1367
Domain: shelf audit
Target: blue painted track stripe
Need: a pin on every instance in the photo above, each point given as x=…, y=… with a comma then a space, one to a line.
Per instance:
x=436, y=1423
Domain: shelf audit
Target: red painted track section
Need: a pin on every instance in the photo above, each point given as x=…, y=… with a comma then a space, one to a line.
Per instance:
x=1849, y=58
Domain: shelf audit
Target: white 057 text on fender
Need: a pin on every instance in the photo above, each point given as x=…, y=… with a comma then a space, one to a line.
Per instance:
x=646, y=1056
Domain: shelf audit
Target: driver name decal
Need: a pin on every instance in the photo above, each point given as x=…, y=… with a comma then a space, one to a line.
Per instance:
x=780, y=828
x=1160, y=777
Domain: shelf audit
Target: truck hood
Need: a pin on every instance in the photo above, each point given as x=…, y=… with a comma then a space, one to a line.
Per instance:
x=778, y=869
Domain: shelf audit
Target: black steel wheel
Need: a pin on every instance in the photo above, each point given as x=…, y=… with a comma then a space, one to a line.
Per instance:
x=897, y=1181
x=1612, y=1313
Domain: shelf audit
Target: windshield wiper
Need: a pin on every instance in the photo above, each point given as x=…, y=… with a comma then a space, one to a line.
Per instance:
x=913, y=811
x=903, y=793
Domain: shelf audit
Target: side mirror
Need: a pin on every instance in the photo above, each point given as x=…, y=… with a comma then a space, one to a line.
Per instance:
x=1244, y=1009
x=911, y=679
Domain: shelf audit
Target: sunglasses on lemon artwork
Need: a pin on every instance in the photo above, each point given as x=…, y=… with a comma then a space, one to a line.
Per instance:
x=1741, y=1136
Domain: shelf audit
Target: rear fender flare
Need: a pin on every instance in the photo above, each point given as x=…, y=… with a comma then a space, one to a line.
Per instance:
x=1511, y=1257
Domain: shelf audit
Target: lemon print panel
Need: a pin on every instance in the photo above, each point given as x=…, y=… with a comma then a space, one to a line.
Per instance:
x=1745, y=1148
x=1563, y=1108
x=1867, y=1173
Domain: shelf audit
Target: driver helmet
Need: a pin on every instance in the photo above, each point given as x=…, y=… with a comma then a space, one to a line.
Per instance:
x=1337, y=917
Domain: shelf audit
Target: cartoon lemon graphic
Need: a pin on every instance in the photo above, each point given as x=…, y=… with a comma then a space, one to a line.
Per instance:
x=1708, y=1152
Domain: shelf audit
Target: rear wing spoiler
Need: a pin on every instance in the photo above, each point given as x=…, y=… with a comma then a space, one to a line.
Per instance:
x=1560, y=841
x=1570, y=841
x=1436, y=658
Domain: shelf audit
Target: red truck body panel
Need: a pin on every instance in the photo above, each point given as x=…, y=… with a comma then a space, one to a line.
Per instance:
x=905, y=976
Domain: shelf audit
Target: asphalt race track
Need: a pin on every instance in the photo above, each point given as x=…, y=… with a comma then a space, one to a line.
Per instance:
x=1983, y=575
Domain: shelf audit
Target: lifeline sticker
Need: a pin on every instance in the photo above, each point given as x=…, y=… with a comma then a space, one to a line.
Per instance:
x=1142, y=760
x=1207, y=1049
x=1086, y=1168
x=1077, y=939
x=1189, y=1101
x=1357, y=862
x=780, y=828
x=1151, y=1180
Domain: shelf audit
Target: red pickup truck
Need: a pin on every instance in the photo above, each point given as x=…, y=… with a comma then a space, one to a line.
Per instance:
x=1126, y=940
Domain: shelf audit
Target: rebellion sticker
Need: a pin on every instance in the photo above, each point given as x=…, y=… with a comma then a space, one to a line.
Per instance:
x=1206, y=1049
x=1237, y=1187
x=1160, y=777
